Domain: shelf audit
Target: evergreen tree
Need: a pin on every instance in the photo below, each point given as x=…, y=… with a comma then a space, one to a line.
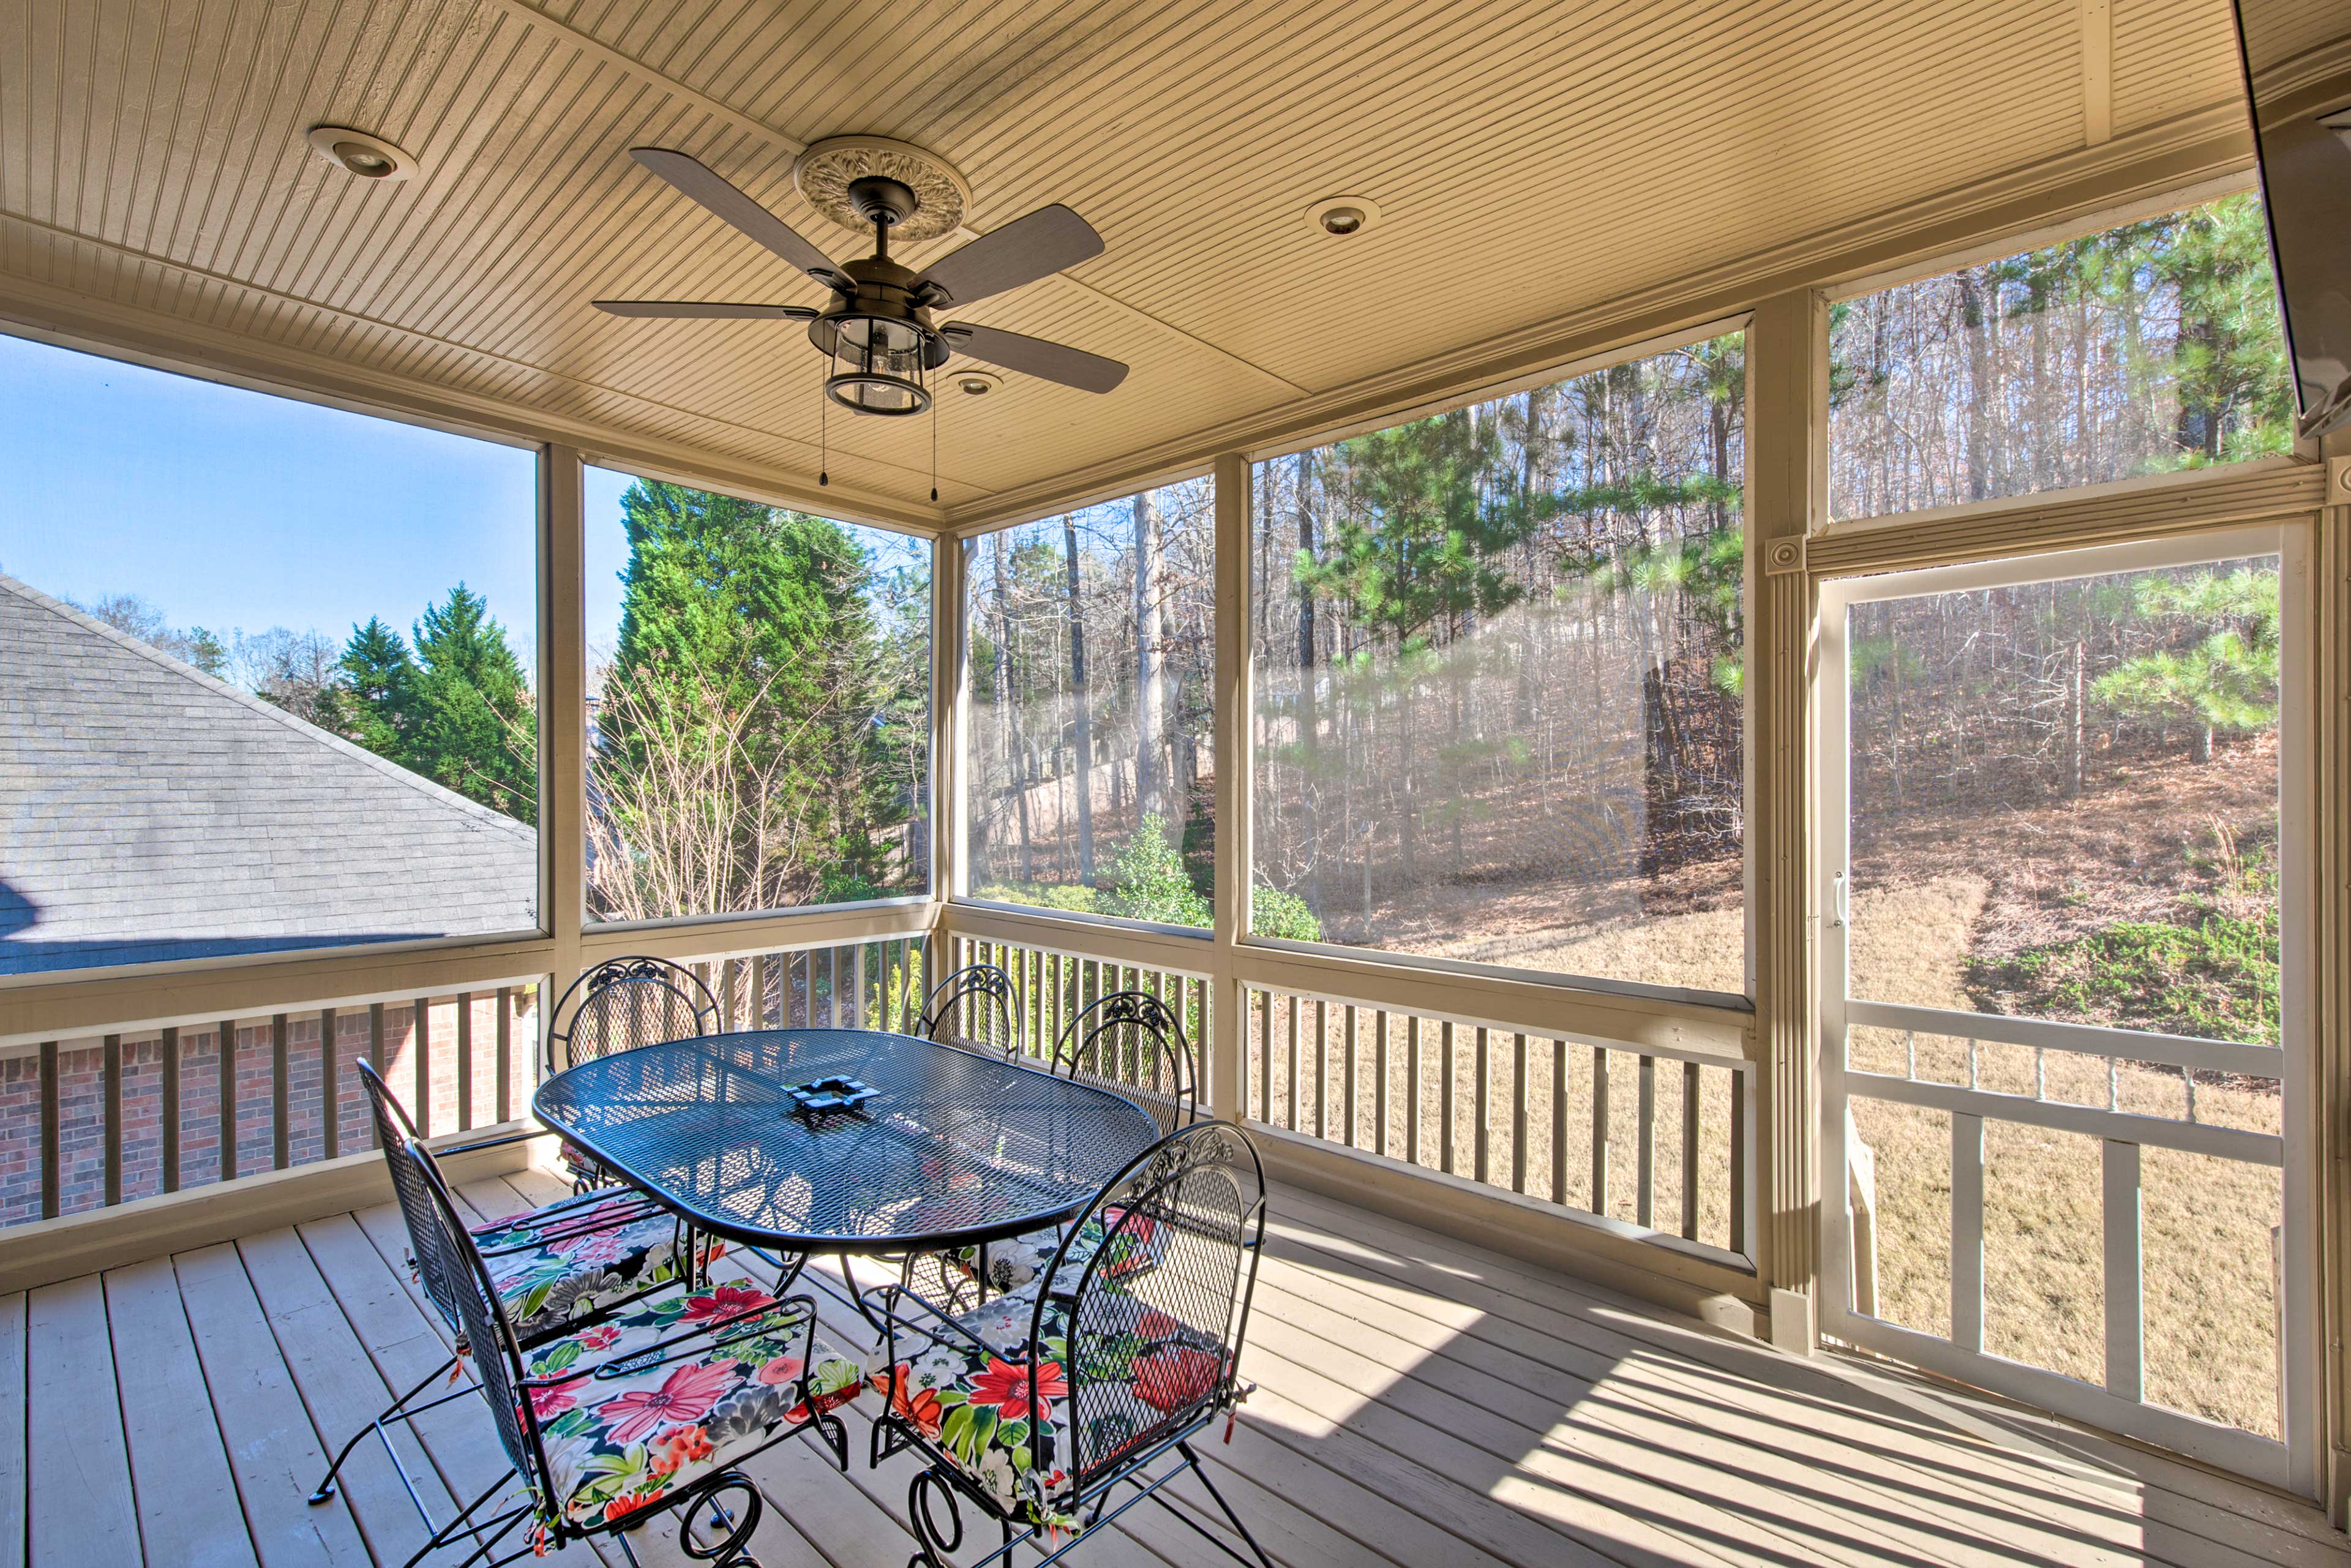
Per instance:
x=475, y=725
x=377, y=701
x=743, y=733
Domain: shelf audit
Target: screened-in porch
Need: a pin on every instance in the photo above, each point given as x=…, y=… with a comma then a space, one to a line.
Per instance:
x=1667, y=686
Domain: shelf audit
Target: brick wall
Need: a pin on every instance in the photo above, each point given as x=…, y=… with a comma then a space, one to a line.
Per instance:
x=81, y=1106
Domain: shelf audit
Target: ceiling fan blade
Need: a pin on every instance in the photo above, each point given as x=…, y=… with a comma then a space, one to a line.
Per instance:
x=1036, y=357
x=700, y=310
x=737, y=209
x=1024, y=250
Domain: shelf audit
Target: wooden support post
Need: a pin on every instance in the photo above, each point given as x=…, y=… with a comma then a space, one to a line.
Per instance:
x=1787, y=499
x=563, y=716
x=1235, y=796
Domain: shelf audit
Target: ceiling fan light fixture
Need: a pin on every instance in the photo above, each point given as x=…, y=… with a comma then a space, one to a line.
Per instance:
x=359, y=153
x=879, y=366
x=1342, y=216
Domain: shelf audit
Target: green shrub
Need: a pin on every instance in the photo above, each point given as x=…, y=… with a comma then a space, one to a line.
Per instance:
x=1077, y=899
x=1148, y=879
x=1273, y=912
x=2217, y=977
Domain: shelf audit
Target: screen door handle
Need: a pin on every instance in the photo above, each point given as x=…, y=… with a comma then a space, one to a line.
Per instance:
x=1839, y=901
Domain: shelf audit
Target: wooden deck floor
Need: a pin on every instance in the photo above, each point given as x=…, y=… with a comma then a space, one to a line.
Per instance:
x=1420, y=1403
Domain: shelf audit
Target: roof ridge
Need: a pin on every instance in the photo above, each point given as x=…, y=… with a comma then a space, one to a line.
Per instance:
x=493, y=819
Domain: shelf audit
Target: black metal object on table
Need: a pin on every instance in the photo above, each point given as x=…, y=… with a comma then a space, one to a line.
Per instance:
x=952, y=1148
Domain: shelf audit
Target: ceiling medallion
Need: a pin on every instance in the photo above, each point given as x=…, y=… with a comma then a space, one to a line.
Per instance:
x=825, y=171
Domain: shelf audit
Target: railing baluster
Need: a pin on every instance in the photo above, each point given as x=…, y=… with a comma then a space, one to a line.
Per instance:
x=1294, y=1015
x=1739, y=1161
x=1484, y=1127
x=1645, y=1193
x=227, y=1065
x=2125, y=1317
x=1353, y=1098
x=1559, y=1120
x=465, y=1061
x=280, y=1094
x=1519, y=1113
x=504, y=1072
x=726, y=995
x=1380, y=1095
x=1967, y=1231
x=1412, y=1089
x=421, y=1032
x=1690, y=1086
x=331, y=1131
x=375, y=1055
x=1444, y=1098
x=113, y=1080
x=1322, y=1064
x=1599, y=1129
x=170, y=1053
x=49, y=1159
x=759, y=998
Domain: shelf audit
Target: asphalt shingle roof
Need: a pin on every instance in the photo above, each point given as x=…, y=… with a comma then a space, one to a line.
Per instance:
x=148, y=811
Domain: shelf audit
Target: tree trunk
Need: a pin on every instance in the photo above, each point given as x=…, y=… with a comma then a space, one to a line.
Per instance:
x=1150, y=665
x=1008, y=707
x=1309, y=721
x=1084, y=738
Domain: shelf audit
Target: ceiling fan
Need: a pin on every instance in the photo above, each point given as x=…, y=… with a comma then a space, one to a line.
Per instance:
x=877, y=331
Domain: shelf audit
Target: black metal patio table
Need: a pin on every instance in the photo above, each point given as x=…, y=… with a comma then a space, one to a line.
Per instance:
x=952, y=1148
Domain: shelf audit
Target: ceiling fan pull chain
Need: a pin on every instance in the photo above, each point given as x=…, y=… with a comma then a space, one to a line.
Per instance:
x=935, y=449
x=823, y=441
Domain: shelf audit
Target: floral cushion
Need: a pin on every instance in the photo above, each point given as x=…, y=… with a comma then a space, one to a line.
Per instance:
x=620, y=1438
x=971, y=1402
x=1012, y=1264
x=571, y=1260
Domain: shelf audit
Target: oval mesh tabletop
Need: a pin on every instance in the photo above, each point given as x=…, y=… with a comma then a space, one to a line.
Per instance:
x=951, y=1148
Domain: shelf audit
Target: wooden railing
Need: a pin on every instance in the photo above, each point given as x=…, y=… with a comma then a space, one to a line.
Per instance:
x=92, y=1121
x=875, y=984
x=1052, y=986
x=1650, y=1137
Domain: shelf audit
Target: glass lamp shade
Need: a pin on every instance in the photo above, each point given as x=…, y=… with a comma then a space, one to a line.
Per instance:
x=877, y=367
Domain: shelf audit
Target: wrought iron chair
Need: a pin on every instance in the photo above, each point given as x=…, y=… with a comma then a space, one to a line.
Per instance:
x=618, y=1005
x=557, y=1268
x=653, y=1409
x=975, y=1006
x=1099, y=1373
x=1131, y=1043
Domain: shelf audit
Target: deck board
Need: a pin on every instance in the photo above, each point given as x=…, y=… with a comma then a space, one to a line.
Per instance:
x=79, y=1489
x=187, y=1502
x=1419, y=1401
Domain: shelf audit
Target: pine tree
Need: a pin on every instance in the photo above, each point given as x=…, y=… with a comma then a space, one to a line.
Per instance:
x=474, y=729
x=377, y=701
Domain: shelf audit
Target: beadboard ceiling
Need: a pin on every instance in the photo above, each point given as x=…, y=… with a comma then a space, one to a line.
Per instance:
x=1530, y=158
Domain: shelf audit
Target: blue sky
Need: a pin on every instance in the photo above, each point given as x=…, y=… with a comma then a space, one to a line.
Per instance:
x=233, y=510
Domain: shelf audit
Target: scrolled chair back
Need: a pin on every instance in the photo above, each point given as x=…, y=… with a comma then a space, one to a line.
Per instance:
x=394, y=1133
x=623, y=1003
x=972, y=1007
x=1133, y=1043
x=496, y=1354
x=1153, y=1319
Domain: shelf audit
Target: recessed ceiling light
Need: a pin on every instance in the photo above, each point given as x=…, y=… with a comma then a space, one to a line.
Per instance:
x=1342, y=215
x=976, y=383
x=357, y=152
